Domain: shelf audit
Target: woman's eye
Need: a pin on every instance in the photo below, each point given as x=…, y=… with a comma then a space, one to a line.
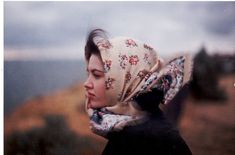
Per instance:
x=96, y=76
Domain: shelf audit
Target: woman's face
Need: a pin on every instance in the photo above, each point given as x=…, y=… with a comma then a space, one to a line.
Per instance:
x=95, y=83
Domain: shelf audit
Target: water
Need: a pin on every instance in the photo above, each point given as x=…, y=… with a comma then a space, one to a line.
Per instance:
x=26, y=79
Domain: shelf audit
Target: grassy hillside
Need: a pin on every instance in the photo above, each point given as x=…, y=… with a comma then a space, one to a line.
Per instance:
x=68, y=103
x=208, y=127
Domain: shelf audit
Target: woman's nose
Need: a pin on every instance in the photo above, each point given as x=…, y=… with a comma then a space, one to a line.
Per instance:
x=88, y=84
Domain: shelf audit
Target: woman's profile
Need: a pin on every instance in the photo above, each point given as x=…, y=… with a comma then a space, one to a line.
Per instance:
x=127, y=81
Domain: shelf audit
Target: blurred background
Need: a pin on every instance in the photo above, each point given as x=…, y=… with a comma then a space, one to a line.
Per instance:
x=44, y=70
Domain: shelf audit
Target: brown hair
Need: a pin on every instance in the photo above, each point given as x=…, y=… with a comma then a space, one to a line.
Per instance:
x=91, y=47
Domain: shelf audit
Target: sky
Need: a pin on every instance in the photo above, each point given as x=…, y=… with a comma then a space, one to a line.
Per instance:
x=58, y=30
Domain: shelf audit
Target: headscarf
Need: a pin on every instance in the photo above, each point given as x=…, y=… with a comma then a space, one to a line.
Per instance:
x=132, y=68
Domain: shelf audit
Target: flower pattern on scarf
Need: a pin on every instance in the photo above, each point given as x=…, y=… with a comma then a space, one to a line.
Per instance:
x=133, y=59
x=131, y=43
x=147, y=76
x=123, y=60
x=142, y=73
x=128, y=77
x=148, y=47
x=174, y=69
x=102, y=121
x=146, y=56
x=107, y=65
x=109, y=83
x=164, y=83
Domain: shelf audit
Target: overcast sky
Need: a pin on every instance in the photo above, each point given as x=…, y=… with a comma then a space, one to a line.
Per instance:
x=57, y=30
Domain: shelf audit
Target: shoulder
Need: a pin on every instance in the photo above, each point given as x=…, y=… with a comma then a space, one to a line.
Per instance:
x=155, y=136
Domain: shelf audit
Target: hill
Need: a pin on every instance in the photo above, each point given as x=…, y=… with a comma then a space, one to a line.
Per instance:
x=208, y=127
x=68, y=103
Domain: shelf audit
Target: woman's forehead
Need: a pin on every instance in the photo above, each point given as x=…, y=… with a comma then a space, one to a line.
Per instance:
x=95, y=62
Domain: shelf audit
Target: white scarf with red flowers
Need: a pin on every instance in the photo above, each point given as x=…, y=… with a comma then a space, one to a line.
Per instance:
x=132, y=68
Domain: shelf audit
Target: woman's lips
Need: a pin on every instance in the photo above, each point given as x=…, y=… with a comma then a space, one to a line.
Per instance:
x=90, y=95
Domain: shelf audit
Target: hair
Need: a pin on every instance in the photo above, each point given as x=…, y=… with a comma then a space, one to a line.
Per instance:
x=150, y=101
x=91, y=47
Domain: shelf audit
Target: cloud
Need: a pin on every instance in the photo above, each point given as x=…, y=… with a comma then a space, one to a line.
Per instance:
x=39, y=24
x=168, y=26
x=215, y=17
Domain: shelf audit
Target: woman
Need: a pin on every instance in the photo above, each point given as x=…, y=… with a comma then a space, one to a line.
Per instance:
x=126, y=83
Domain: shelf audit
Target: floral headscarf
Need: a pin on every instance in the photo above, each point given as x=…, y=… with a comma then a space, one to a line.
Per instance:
x=132, y=68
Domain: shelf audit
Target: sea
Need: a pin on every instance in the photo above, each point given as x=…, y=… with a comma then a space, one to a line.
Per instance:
x=27, y=79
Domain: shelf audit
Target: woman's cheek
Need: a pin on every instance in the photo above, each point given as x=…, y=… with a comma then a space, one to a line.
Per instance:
x=99, y=89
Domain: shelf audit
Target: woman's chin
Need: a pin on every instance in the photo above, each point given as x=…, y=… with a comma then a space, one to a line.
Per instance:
x=95, y=106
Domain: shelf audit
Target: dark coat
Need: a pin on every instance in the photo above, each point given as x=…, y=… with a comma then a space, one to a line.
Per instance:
x=154, y=137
